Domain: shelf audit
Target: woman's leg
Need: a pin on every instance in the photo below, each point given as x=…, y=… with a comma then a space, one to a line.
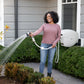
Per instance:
x=50, y=59
x=43, y=55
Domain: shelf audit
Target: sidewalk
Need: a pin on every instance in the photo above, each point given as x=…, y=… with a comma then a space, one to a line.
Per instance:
x=60, y=77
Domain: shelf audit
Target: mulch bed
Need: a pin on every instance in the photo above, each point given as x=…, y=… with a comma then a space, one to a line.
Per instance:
x=4, y=80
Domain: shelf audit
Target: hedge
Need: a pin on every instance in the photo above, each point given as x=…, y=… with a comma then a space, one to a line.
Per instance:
x=27, y=51
x=1, y=47
x=72, y=61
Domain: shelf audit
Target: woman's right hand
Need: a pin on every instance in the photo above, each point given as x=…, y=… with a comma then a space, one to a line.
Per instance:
x=31, y=34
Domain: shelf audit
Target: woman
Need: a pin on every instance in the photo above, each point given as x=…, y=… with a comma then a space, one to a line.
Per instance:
x=51, y=35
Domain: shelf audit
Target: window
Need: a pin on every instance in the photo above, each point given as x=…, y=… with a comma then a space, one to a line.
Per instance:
x=69, y=16
x=63, y=0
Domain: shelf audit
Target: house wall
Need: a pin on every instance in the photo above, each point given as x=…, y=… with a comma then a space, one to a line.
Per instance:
x=31, y=13
x=52, y=5
x=9, y=35
x=30, y=16
x=82, y=20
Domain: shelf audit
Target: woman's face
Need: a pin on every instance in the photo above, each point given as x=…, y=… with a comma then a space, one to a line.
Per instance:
x=49, y=18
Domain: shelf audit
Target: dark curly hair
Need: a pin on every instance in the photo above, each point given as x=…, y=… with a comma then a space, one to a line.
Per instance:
x=54, y=16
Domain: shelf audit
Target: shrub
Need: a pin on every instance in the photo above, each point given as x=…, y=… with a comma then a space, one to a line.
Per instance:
x=17, y=71
x=0, y=69
x=47, y=80
x=27, y=51
x=34, y=77
x=1, y=47
x=9, y=70
x=72, y=61
x=22, y=73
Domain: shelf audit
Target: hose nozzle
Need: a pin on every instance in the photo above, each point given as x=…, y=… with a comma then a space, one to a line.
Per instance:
x=28, y=34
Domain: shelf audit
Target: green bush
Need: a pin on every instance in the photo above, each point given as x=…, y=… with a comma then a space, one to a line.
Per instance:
x=72, y=61
x=17, y=71
x=22, y=73
x=34, y=77
x=27, y=51
x=47, y=80
x=1, y=48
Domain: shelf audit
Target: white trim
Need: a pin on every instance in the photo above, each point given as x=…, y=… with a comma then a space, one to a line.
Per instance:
x=78, y=16
x=69, y=3
x=59, y=10
x=71, y=0
x=66, y=2
x=2, y=21
x=82, y=42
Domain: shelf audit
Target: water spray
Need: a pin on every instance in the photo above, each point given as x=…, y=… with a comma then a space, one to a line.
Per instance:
x=7, y=52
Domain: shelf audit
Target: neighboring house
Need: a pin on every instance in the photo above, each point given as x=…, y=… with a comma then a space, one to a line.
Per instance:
x=27, y=15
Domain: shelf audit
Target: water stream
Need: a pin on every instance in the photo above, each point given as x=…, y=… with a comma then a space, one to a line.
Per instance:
x=6, y=53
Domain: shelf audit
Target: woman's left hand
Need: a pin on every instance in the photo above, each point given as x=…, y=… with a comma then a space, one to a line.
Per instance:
x=53, y=46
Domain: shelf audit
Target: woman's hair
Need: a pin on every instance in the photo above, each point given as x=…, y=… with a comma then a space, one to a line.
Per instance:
x=54, y=16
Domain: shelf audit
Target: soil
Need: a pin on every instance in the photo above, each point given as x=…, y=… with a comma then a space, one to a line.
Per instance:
x=4, y=80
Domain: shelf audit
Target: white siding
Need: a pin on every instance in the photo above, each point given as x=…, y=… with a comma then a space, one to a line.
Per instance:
x=82, y=20
x=9, y=20
x=30, y=16
x=31, y=13
x=52, y=5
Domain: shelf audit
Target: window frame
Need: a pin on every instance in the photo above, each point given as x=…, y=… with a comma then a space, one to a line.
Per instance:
x=59, y=9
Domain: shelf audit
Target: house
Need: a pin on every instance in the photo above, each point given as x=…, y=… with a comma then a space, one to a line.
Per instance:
x=27, y=15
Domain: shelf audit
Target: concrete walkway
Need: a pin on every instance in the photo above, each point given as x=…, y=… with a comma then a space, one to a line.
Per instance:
x=60, y=77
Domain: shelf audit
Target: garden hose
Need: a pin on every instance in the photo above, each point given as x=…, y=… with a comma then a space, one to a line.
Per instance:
x=57, y=50
x=33, y=39
x=57, y=54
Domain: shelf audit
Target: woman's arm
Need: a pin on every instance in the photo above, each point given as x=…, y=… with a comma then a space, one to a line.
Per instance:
x=38, y=31
x=58, y=37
